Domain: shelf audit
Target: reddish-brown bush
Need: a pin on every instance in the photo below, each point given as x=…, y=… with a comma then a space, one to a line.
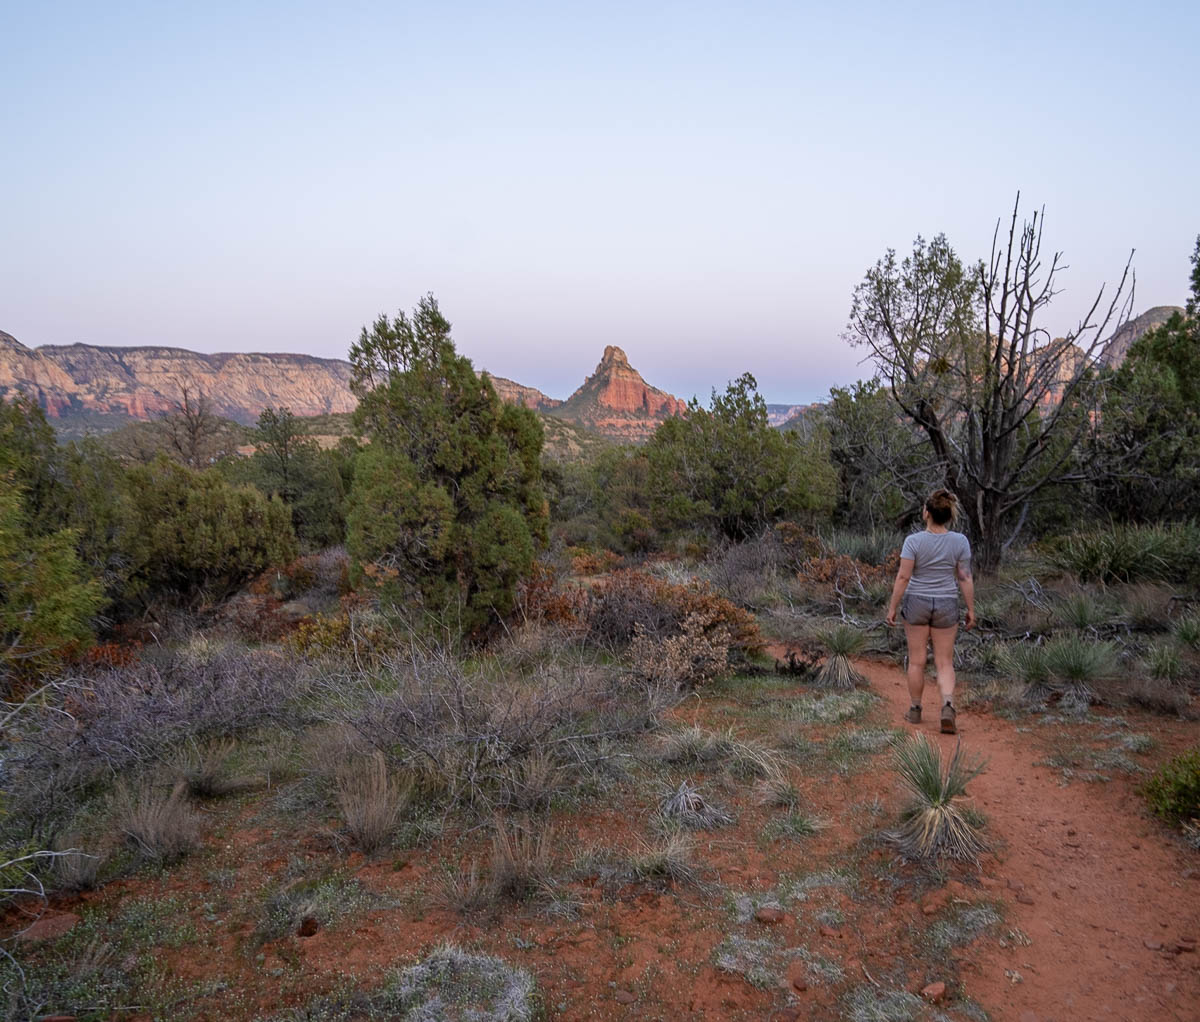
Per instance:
x=542, y=596
x=629, y=599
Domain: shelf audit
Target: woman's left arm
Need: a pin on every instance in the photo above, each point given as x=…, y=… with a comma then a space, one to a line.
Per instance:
x=902, y=577
x=967, y=584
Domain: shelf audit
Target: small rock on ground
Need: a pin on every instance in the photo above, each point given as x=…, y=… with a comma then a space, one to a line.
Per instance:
x=934, y=993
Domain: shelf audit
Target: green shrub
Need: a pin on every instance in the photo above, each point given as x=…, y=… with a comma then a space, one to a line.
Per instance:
x=198, y=537
x=1174, y=791
x=1131, y=553
x=842, y=642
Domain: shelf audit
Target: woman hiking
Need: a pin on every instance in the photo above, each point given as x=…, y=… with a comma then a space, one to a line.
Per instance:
x=934, y=565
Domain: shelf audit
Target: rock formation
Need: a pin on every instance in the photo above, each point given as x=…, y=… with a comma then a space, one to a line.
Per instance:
x=616, y=401
x=102, y=387
x=1114, y=350
x=518, y=394
x=139, y=383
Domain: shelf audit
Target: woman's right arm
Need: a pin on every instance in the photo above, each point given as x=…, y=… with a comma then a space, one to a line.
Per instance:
x=902, y=577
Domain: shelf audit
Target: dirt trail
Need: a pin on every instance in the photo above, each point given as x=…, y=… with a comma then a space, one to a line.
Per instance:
x=1100, y=888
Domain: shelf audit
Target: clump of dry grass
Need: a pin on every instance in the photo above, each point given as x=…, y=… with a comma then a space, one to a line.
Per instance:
x=696, y=746
x=778, y=793
x=372, y=799
x=842, y=642
x=936, y=825
x=671, y=859
x=521, y=859
x=205, y=768
x=159, y=826
x=686, y=807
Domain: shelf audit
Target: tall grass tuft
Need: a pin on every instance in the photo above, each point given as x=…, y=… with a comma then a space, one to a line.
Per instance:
x=936, y=825
x=842, y=642
x=1026, y=662
x=372, y=800
x=1187, y=631
x=159, y=826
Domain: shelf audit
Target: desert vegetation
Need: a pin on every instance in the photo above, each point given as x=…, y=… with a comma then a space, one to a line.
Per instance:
x=430, y=726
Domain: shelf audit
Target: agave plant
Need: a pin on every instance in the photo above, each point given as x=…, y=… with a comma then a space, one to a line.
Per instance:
x=842, y=642
x=1075, y=664
x=936, y=823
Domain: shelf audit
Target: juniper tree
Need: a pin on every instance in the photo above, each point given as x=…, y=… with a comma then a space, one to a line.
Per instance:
x=447, y=505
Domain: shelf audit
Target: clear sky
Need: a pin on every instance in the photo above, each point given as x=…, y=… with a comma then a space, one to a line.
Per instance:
x=702, y=184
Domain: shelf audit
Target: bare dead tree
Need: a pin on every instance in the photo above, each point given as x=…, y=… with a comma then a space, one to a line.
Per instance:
x=962, y=352
x=192, y=430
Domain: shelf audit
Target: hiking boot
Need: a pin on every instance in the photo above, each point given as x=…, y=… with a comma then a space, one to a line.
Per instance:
x=914, y=715
x=948, y=718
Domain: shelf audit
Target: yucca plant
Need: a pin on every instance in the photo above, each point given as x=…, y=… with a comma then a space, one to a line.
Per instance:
x=1082, y=610
x=1163, y=662
x=1187, y=630
x=1075, y=664
x=936, y=824
x=1026, y=662
x=842, y=642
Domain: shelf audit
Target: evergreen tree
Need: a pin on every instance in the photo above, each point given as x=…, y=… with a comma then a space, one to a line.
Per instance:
x=726, y=469
x=447, y=501
x=1146, y=450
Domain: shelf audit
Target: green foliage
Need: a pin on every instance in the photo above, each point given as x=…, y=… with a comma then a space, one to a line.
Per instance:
x=727, y=470
x=882, y=461
x=198, y=537
x=1174, y=791
x=46, y=600
x=1146, y=449
x=1130, y=553
x=48, y=597
x=289, y=464
x=447, y=502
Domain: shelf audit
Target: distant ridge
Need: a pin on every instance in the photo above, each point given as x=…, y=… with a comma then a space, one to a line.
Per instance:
x=142, y=382
x=100, y=388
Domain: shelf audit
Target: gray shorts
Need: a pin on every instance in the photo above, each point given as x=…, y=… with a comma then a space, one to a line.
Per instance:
x=935, y=611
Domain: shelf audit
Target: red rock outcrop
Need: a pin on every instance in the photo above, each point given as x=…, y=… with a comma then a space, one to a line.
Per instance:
x=141, y=382
x=616, y=401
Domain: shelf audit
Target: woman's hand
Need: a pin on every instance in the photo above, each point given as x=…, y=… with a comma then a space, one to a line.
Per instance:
x=891, y=617
x=970, y=619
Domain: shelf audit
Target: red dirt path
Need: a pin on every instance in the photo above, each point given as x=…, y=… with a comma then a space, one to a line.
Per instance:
x=1109, y=887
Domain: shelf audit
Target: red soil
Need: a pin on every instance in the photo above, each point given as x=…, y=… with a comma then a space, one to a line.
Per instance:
x=1101, y=890
x=1099, y=886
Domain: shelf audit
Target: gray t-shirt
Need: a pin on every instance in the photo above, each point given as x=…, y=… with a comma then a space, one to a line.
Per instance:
x=935, y=557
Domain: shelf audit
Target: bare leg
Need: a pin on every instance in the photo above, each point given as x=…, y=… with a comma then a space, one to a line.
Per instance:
x=943, y=659
x=918, y=644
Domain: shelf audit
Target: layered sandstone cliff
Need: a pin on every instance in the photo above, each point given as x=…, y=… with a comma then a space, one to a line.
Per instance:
x=517, y=394
x=142, y=382
x=616, y=401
